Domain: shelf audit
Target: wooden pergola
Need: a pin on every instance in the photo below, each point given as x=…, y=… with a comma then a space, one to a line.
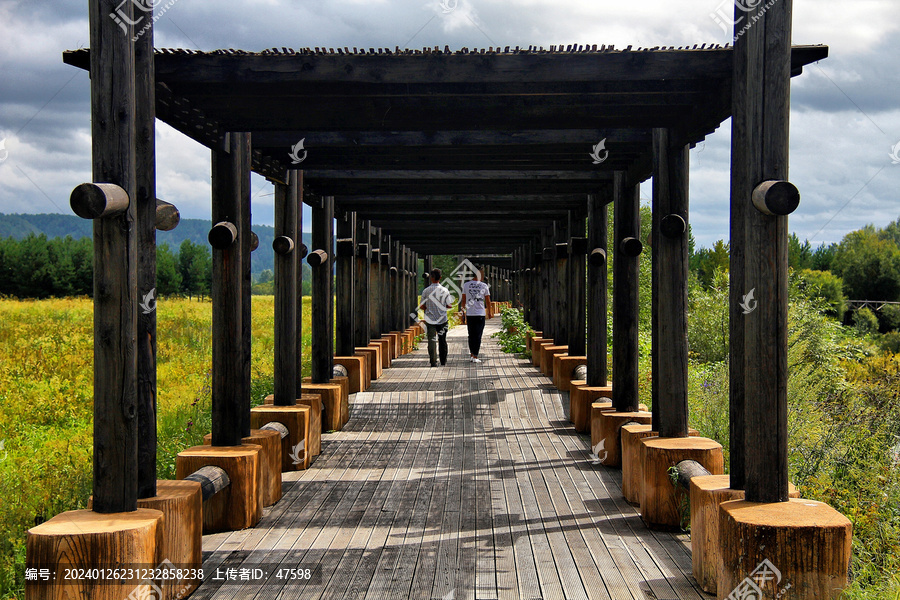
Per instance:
x=513, y=154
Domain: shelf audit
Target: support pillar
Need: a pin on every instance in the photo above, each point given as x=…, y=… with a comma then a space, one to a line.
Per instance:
x=344, y=294
x=361, y=292
x=597, y=372
x=626, y=270
x=286, y=246
x=321, y=260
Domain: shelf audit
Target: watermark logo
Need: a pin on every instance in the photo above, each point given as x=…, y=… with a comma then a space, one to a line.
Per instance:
x=895, y=153
x=751, y=588
x=121, y=18
x=448, y=6
x=595, y=154
x=451, y=595
x=596, y=450
x=4, y=153
x=453, y=283
x=149, y=303
x=298, y=453
x=295, y=152
x=748, y=304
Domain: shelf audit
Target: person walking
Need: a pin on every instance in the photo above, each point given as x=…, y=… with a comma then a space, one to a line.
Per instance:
x=476, y=303
x=436, y=299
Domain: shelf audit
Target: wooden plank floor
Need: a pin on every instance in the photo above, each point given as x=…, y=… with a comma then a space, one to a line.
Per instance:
x=457, y=482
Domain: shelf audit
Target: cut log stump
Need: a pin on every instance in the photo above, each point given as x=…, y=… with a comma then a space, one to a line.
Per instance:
x=330, y=396
x=270, y=462
x=609, y=448
x=563, y=371
x=547, y=359
x=373, y=354
x=537, y=349
x=238, y=506
x=355, y=366
x=581, y=396
x=660, y=500
x=808, y=542
x=84, y=539
x=295, y=454
x=707, y=493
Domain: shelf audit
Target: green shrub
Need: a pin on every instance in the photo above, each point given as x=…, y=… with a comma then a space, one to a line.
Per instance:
x=513, y=328
x=825, y=285
x=865, y=321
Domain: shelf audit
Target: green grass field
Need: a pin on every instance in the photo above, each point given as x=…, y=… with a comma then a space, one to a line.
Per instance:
x=46, y=398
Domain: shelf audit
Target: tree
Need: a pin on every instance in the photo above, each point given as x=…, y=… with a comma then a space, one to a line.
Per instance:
x=799, y=255
x=195, y=267
x=168, y=276
x=706, y=262
x=869, y=266
x=825, y=285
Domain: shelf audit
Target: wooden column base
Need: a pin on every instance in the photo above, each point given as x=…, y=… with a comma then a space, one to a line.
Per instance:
x=294, y=448
x=580, y=399
x=342, y=412
x=394, y=336
x=367, y=371
x=355, y=366
x=609, y=449
x=269, y=464
x=385, y=345
x=330, y=394
x=238, y=506
x=632, y=467
x=84, y=539
x=562, y=370
x=706, y=494
x=549, y=356
x=597, y=411
x=374, y=358
x=659, y=505
x=807, y=541
x=530, y=336
x=536, y=349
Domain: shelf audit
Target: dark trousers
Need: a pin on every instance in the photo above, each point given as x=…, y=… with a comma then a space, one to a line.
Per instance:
x=437, y=336
x=475, y=325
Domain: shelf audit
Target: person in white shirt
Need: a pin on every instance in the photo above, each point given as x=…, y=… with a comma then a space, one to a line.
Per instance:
x=436, y=299
x=476, y=303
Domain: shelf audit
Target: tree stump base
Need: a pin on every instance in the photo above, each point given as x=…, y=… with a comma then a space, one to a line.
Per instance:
x=373, y=354
x=238, y=506
x=609, y=448
x=549, y=356
x=632, y=467
x=314, y=441
x=385, y=345
x=537, y=345
x=808, y=542
x=581, y=397
x=295, y=454
x=562, y=370
x=706, y=494
x=330, y=395
x=531, y=335
x=84, y=539
x=660, y=500
x=344, y=408
x=395, y=344
x=597, y=410
x=355, y=366
x=366, y=370
x=270, y=462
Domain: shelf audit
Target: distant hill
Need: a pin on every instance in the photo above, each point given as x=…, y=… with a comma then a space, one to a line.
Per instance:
x=58, y=225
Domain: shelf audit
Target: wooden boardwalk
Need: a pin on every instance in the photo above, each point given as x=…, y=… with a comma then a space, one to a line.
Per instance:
x=457, y=482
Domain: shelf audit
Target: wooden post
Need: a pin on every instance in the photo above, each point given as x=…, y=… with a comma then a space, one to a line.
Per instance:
x=576, y=279
x=226, y=294
x=115, y=266
x=345, y=250
x=759, y=142
x=145, y=214
x=322, y=299
x=397, y=318
x=596, y=298
x=295, y=197
x=361, y=314
x=244, y=240
x=560, y=285
x=670, y=264
x=286, y=363
x=626, y=270
x=384, y=270
x=548, y=255
x=375, y=283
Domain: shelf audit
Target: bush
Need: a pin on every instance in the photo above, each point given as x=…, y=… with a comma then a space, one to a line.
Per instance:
x=513, y=328
x=865, y=321
x=890, y=342
x=889, y=317
x=825, y=285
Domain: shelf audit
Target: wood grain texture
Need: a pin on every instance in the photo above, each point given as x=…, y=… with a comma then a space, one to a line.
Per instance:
x=322, y=292
x=625, y=297
x=286, y=298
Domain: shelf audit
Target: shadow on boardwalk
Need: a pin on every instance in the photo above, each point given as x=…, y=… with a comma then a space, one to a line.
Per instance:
x=458, y=482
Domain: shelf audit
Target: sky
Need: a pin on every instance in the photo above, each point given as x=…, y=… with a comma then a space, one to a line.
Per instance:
x=845, y=113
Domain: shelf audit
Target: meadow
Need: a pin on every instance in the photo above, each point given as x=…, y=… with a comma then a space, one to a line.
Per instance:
x=46, y=403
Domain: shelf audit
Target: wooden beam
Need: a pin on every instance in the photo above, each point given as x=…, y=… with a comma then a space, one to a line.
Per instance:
x=244, y=166
x=626, y=270
x=322, y=298
x=286, y=359
x=361, y=314
x=295, y=196
x=375, y=291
